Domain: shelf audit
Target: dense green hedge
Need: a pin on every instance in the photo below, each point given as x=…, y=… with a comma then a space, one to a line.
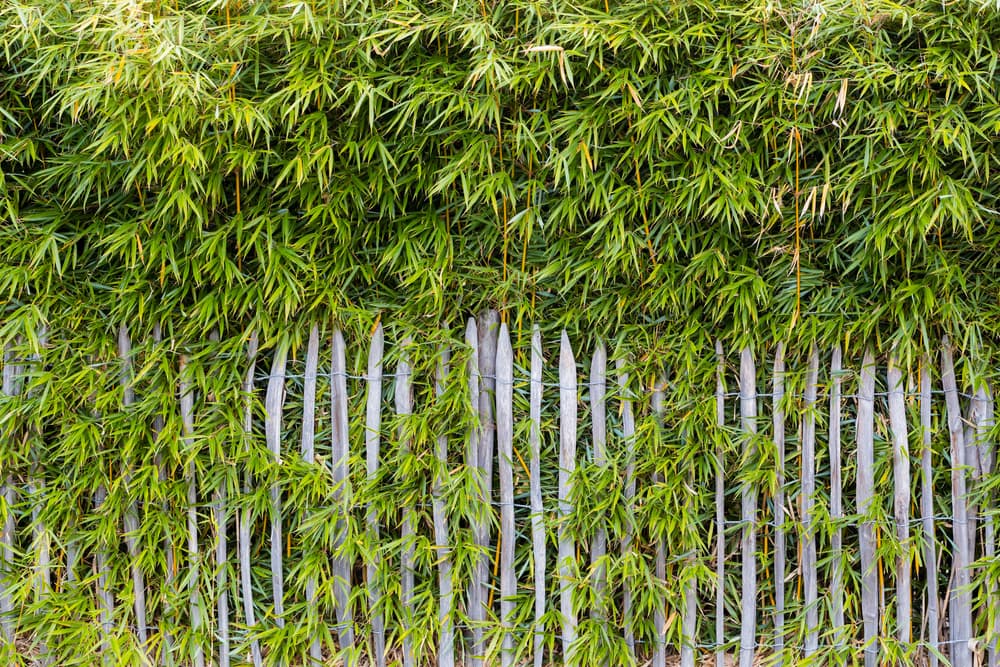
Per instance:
x=660, y=174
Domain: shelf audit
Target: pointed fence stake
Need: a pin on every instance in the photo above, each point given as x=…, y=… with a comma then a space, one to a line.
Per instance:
x=373, y=435
x=537, y=508
x=748, y=540
x=341, y=454
x=567, y=467
x=505, y=444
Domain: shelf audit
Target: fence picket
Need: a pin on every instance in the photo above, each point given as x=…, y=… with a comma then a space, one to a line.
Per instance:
x=599, y=431
x=960, y=611
x=404, y=408
x=720, y=507
x=446, y=649
x=505, y=441
x=131, y=519
x=628, y=436
x=567, y=466
x=308, y=444
x=477, y=580
x=987, y=455
x=808, y=491
x=341, y=455
x=865, y=490
x=273, y=404
x=660, y=553
x=748, y=541
x=927, y=513
x=7, y=622
x=836, y=503
x=243, y=529
x=537, y=508
x=901, y=494
x=778, y=427
x=170, y=561
x=373, y=435
x=194, y=556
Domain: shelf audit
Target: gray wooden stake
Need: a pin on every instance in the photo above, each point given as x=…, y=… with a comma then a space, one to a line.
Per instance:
x=748, y=540
x=243, y=528
x=660, y=555
x=537, y=508
x=598, y=415
x=961, y=606
x=628, y=435
x=865, y=490
x=477, y=580
x=308, y=443
x=273, y=405
x=808, y=493
x=927, y=514
x=446, y=614
x=505, y=450
x=373, y=434
x=132, y=513
x=567, y=466
x=778, y=426
x=341, y=454
x=901, y=495
x=404, y=408
x=720, y=507
x=836, y=504
x=194, y=555
x=7, y=619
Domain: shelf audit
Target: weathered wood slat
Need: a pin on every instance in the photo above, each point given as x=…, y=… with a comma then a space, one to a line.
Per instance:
x=628, y=437
x=599, y=431
x=7, y=620
x=808, y=492
x=36, y=491
x=505, y=443
x=477, y=581
x=168, y=613
x=567, y=466
x=341, y=455
x=537, y=508
x=961, y=605
x=131, y=519
x=373, y=435
x=927, y=513
x=689, y=613
x=778, y=427
x=487, y=328
x=865, y=490
x=243, y=529
x=836, y=503
x=748, y=540
x=220, y=516
x=273, y=406
x=720, y=508
x=982, y=413
x=446, y=614
x=195, y=604
x=308, y=444
x=660, y=548
x=404, y=408
x=901, y=495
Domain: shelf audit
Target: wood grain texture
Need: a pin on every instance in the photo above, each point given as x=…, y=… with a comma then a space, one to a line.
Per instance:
x=778, y=433
x=273, y=405
x=720, y=506
x=408, y=531
x=308, y=446
x=901, y=494
x=567, y=466
x=865, y=490
x=598, y=386
x=538, y=541
x=836, y=502
x=808, y=476
x=195, y=602
x=628, y=537
x=446, y=613
x=505, y=451
x=373, y=439
x=243, y=538
x=927, y=511
x=341, y=564
x=748, y=514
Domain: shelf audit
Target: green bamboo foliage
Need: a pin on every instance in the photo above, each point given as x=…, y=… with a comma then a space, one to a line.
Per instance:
x=651, y=177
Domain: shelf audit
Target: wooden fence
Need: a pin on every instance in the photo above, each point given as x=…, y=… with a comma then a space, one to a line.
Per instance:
x=814, y=566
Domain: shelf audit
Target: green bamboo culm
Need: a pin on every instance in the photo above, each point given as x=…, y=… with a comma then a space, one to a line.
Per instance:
x=190, y=189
